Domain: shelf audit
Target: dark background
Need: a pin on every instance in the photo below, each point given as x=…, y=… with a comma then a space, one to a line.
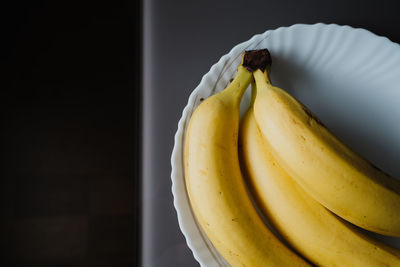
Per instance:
x=78, y=133
x=70, y=81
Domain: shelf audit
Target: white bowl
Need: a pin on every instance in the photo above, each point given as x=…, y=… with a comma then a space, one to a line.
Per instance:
x=349, y=77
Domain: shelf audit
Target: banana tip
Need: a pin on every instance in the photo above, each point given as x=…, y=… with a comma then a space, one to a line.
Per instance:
x=257, y=59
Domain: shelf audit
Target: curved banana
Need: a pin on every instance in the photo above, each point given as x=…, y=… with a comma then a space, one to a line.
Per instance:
x=330, y=172
x=216, y=188
x=315, y=232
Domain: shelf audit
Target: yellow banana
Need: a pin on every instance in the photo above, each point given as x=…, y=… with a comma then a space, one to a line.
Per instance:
x=216, y=188
x=315, y=232
x=330, y=172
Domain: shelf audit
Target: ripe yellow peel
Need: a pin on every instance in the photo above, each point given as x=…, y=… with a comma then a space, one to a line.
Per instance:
x=311, y=229
x=216, y=188
x=326, y=169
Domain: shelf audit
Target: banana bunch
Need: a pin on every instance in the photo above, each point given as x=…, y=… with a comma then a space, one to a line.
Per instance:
x=308, y=184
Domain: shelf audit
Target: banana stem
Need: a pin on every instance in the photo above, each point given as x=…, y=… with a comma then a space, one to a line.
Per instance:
x=262, y=79
x=253, y=93
x=258, y=62
x=257, y=59
x=239, y=84
x=253, y=61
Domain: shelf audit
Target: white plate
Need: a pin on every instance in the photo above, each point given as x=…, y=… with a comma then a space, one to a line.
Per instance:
x=349, y=77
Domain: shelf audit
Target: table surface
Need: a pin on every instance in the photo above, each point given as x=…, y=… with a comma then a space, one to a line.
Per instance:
x=181, y=41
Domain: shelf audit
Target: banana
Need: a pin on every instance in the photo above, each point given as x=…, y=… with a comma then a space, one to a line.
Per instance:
x=315, y=232
x=216, y=187
x=328, y=170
